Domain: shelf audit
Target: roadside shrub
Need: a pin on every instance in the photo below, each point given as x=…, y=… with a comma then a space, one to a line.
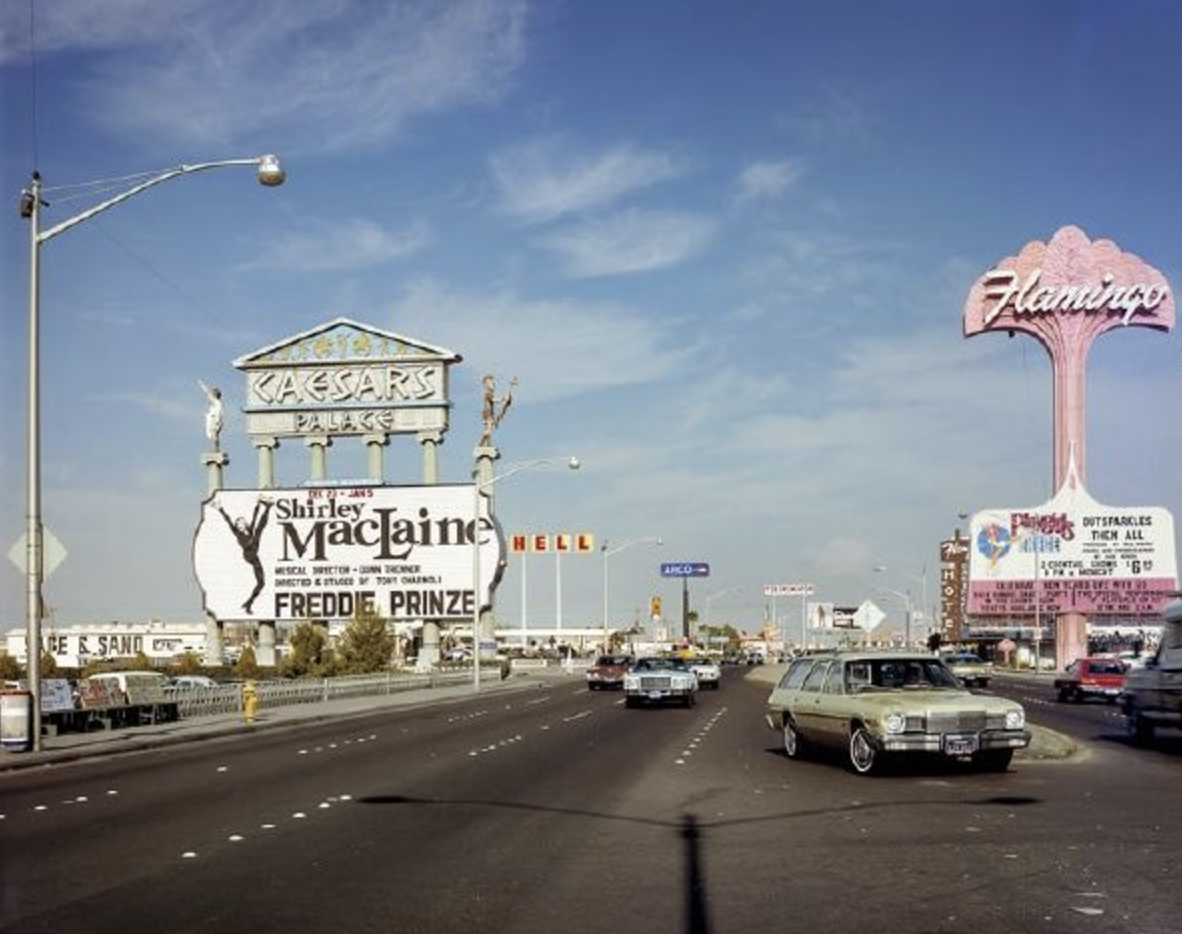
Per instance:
x=10, y=668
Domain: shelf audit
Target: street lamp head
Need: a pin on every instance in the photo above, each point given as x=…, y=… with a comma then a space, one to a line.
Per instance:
x=271, y=171
x=880, y=567
x=574, y=463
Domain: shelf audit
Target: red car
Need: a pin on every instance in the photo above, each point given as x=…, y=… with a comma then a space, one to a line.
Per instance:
x=1092, y=677
x=608, y=672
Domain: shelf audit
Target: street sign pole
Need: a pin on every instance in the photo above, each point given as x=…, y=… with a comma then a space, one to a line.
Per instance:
x=685, y=570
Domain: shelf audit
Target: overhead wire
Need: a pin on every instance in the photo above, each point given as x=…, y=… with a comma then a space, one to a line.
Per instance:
x=34, y=133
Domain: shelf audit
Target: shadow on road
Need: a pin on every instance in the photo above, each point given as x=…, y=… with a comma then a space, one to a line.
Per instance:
x=692, y=833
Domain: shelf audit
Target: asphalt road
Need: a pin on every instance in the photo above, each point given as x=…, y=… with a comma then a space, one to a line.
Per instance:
x=560, y=810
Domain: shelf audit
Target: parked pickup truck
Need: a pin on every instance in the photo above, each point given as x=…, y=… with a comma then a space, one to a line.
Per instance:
x=1152, y=696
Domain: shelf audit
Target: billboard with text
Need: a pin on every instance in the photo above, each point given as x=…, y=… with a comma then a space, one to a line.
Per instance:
x=1071, y=555
x=403, y=553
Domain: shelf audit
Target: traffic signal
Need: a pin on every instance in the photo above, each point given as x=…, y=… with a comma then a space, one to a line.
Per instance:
x=655, y=608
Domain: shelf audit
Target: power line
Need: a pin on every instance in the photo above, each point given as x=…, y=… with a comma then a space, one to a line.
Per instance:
x=33, y=88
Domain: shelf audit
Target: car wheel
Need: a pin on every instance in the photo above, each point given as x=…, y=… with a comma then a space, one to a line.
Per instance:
x=993, y=760
x=792, y=742
x=629, y=701
x=863, y=755
x=1063, y=695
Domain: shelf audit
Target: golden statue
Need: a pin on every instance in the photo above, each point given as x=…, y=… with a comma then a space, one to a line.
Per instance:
x=495, y=408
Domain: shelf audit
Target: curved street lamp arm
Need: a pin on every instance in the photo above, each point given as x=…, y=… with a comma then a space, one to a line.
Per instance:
x=270, y=164
x=649, y=539
x=539, y=463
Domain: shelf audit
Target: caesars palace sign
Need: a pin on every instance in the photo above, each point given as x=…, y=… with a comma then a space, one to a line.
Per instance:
x=332, y=551
x=346, y=378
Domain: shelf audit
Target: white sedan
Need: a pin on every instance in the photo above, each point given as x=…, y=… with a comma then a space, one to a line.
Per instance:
x=708, y=672
x=659, y=680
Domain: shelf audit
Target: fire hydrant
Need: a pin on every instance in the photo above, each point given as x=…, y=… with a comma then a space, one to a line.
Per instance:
x=250, y=702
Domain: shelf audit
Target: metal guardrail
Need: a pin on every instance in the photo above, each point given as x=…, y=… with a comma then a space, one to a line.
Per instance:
x=228, y=698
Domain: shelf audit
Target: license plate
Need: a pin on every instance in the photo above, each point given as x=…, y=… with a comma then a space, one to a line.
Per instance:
x=960, y=745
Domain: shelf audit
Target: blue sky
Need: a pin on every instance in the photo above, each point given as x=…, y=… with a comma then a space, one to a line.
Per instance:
x=725, y=248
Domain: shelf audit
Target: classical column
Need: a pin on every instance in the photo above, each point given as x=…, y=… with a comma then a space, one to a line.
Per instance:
x=215, y=462
x=265, y=643
x=374, y=445
x=319, y=445
x=430, y=441
x=265, y=447
x=265, y=652
x=429, y=650
x=486, y=456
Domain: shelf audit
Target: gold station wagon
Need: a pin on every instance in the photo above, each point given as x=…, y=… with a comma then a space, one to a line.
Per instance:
x=881, y=704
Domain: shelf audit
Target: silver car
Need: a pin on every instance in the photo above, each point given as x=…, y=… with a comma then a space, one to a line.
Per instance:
x=875, y=705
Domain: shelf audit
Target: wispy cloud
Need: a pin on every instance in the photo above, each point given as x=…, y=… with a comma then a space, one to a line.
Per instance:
x=575, y=347
x=832, y=115
x=315, y=76
x=820, y=259
x=87, y=25
x=630, y=242
x=549, y=178
x=152, y=403
x=768, y=180
x=334, y=246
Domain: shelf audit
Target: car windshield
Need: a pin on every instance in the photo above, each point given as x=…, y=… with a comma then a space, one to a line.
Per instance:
x=898, y=674
x=612, y=660
x=657, y=664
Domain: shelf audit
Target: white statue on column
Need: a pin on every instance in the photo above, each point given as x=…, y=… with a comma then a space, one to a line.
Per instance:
x=214, y=415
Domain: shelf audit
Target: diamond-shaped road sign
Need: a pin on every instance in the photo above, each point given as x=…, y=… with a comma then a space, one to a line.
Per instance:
x=868, y=616
x=53, y=552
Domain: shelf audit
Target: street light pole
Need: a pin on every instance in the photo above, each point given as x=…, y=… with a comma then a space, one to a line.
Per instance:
x=922, y=580
x=722, y=593
x=478, y=487
x=906, y=598
x=270, y=174
x=607, y=553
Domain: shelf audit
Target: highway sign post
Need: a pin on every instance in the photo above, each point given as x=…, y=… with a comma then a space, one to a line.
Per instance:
x=801, y=590
x=685, y=570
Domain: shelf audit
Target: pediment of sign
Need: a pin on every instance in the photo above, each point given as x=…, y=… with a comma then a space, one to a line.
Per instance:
x=343, y=340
